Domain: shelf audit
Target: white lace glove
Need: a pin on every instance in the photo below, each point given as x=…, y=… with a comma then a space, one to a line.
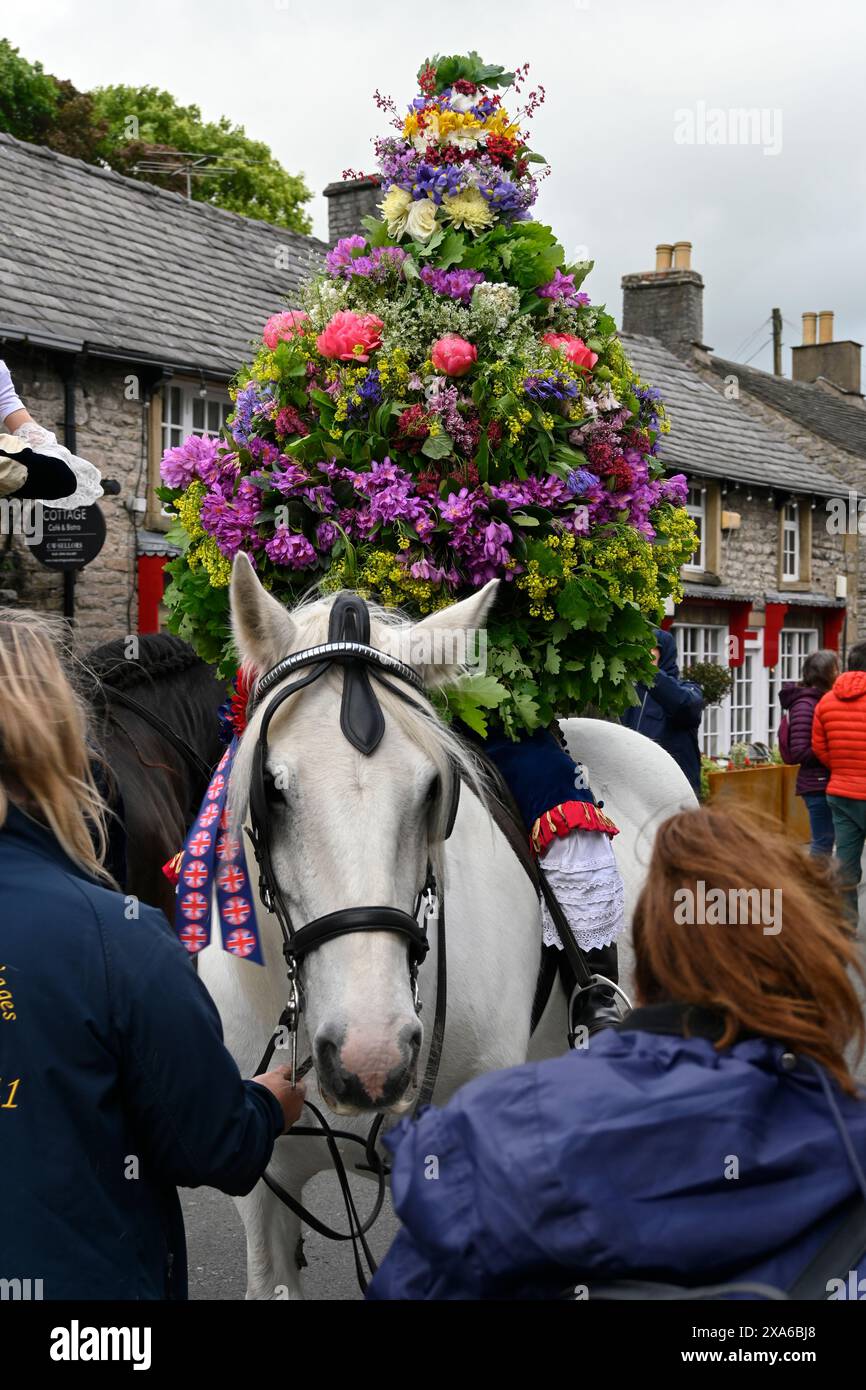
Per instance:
x=87, y=475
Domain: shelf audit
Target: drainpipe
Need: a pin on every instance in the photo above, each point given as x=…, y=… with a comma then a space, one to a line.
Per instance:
x=70, y=372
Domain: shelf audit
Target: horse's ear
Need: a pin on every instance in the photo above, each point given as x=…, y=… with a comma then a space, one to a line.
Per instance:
x=449, y=641
x=264, y=632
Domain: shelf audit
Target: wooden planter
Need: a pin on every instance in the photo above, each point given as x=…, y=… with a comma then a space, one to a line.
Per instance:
x=768, y=790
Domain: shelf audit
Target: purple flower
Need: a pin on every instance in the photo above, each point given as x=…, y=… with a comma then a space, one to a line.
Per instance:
x=290, y=478
x=457, y=284
x=326, y=535
x=675, y=490
x=562, y=287
x=288, y=548
x=197, y=457
x=585, y=484
x=342, y=255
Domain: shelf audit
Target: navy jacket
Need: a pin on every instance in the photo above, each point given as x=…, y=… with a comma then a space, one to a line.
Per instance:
x=538, y=771
x=799, y=702
x=124, y=1088
x=670, y=713
x=648, y=1155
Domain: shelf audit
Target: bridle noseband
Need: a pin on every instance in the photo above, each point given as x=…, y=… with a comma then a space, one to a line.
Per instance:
x=363, y=725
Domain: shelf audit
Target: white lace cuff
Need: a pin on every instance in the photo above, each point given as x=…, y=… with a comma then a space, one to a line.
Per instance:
x=582, y=872
x=87, y=476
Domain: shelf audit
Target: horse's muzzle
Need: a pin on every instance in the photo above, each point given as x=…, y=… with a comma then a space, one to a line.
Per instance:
x=359, y=1071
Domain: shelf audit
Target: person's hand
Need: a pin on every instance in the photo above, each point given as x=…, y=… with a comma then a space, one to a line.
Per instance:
x=291, y=1098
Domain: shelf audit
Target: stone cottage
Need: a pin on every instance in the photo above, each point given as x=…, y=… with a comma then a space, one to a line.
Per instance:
x=770, y=580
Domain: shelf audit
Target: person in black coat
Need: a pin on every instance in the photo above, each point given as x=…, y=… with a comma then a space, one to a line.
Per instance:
x=670, y=711
x=115, y=1085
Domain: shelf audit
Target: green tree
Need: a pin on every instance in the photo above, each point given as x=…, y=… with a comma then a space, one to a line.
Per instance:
x=28, y=96
x=118, y=127
x=144, y=122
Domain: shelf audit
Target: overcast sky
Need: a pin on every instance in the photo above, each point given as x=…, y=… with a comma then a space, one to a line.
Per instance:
x=784, y=228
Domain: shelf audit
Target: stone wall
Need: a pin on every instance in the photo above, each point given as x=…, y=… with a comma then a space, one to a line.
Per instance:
x=109, y=434
x=349, y=202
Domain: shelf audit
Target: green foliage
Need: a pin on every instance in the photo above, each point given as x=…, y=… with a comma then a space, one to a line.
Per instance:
x=120, y=126
x=714, y=680
x=468, y=67
x=258, y=187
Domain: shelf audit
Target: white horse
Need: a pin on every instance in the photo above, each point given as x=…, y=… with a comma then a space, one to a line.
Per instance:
x=350, y=830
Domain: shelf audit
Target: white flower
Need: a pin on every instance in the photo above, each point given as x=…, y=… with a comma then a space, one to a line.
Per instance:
x=395, y=208
x=461, y=102
x=606, y=400
x=421, y=219
x=465, y=139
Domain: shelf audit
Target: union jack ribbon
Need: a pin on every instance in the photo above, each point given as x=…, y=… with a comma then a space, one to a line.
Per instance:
x=212, y=862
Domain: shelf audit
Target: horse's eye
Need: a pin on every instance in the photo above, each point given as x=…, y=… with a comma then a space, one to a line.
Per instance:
x=274, y=786
x=433, y=791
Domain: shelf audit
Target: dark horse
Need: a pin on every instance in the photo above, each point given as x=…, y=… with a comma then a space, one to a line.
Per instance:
x=155, y=719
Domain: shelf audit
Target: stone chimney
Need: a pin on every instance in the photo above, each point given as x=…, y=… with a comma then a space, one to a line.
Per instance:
x=349, y=202
x=666, y=303
x=836, y=362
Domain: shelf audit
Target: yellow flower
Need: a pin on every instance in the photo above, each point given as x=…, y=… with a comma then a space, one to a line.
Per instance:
x=188, y=508
x=468, y=209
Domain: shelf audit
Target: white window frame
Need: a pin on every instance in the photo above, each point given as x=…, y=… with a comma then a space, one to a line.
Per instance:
x=696, y=506
x=791, y=542
x=795, y=644
x=182, y=401
x=705, y=642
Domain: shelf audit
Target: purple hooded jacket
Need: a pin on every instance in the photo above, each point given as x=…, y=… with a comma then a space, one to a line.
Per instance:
x=798, y=702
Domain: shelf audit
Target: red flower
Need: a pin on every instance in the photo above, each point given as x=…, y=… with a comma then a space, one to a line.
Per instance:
x=501, y=146
x=427, y=79
x=494, y=433
x=575, y=349
x=453, y=355
x=351, y=337
x=468, y=89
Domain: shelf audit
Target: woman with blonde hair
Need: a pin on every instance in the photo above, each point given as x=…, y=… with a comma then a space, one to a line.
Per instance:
x=716, y=1136
x=115, y=1086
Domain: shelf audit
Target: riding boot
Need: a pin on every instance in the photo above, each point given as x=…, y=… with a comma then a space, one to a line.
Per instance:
x=598, y=1007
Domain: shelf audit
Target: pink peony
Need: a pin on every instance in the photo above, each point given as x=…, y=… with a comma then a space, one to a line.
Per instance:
x=575, y=349
x=351, y=337
x=453, y=355
x=286, y=325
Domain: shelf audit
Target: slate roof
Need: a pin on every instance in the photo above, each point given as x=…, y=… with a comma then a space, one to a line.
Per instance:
x=90, y=257
x=717, y=438
x=841, y=422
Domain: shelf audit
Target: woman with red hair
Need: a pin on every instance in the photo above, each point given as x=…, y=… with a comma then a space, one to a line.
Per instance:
x=715, y=1136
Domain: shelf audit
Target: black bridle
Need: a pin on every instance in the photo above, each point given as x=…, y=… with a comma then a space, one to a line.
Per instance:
x=363, y=725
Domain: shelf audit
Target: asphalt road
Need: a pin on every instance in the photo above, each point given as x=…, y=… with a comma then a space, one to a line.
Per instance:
x=215, y=1235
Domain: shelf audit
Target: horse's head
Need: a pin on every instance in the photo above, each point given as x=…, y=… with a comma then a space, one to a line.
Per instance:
x=351, y=829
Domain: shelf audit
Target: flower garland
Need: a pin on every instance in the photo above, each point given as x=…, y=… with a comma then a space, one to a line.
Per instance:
x=447, y=407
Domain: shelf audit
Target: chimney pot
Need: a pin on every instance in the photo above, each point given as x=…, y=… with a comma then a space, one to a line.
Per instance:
x=682, y=255
x=809, y=321
x=825, y=326
x=664, y=256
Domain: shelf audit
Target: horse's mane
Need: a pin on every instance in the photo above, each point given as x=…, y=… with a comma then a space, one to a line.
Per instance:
x=418, y=720
x=159, y=655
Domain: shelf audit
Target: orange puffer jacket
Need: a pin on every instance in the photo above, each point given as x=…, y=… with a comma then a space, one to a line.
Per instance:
x=839, y=735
